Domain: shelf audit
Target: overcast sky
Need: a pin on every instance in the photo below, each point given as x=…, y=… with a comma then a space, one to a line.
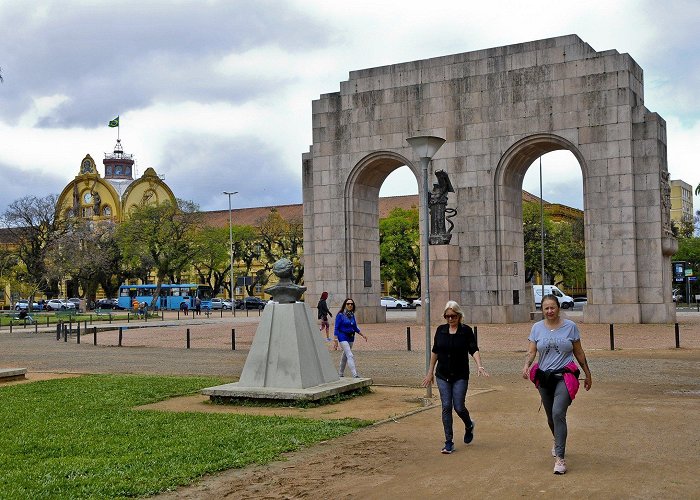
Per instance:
x=216, y=95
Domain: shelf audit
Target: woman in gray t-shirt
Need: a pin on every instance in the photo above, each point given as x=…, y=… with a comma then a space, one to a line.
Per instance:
x=558, y=342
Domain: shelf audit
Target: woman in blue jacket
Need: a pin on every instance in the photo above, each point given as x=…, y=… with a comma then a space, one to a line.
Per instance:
x=345, y=330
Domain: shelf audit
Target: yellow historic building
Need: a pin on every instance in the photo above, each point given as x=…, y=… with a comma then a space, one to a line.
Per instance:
x=92, y=196
x=681, y=201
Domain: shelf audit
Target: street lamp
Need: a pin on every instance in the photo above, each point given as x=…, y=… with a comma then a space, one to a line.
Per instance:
x=230, y=241
x=425, y=147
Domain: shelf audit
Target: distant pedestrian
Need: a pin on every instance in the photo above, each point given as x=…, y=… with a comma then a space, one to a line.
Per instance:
x=142, y=309
x=345, y=330
x=198, y=306
x=184, y=305
x=135, y=306
x=453, y=344
x=558, y=341
x=323, y=314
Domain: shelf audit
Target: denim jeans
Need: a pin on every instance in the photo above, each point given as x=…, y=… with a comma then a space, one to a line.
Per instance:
x=453, y=395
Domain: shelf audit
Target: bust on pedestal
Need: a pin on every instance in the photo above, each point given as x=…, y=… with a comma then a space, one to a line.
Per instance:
x=288, y=359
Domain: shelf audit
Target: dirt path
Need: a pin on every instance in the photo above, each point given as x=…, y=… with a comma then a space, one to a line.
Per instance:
x=634, y=435
x=627, y=440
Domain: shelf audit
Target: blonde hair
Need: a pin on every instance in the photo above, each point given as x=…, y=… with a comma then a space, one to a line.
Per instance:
x=451, y=304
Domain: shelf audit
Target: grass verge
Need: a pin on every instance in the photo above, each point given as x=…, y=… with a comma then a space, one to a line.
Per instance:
x=79, y=437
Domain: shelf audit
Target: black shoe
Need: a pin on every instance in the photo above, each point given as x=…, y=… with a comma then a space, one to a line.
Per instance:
x=469, y=434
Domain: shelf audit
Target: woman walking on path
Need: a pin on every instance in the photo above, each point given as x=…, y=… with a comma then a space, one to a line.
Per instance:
x=345, y=330
x=323, y=313
x=453, y=344
x=557, y=341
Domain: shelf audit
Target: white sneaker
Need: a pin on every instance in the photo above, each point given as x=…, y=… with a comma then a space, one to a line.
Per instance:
x=559, y=466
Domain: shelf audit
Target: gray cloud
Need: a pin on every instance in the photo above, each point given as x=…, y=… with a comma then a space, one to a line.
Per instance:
x=20, y=183
x=111, y=58
x=201, y=168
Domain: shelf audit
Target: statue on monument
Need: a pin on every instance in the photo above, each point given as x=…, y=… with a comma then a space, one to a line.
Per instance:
x=439, y=213
x=285, y=291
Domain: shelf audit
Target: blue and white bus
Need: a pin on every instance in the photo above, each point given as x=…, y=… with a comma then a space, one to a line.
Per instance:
x=171, y=295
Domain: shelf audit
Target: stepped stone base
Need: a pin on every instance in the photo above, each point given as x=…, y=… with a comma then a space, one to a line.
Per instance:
x=9, y=374
x=236, y=390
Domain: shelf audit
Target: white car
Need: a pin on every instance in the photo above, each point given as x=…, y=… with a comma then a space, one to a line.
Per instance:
x=24, y=304
x=59, y=305
x=217, y=303
x=393, y=303
x=416, y=303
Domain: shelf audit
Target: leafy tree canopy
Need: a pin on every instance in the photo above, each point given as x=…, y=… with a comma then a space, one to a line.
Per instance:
x=399, y=251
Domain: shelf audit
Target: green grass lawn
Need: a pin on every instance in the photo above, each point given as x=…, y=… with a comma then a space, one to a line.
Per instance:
x=51, y=318
x=79, y=437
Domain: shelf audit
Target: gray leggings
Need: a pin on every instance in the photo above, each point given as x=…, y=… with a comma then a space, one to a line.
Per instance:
x=555, y=404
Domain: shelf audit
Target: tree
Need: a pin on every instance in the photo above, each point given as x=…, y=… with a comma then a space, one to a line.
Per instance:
x=247, y=252
x=34, y=226
x=399, y=251
x=280, y=238
x=8, y=264
x=212, y=261
x=564, y=249
x=162, y=236
x=88, y=254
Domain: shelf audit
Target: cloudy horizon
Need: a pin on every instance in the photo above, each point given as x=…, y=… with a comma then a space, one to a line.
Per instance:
x=217, y=96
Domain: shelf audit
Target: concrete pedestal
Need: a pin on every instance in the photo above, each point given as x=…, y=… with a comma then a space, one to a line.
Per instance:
x=287, y=360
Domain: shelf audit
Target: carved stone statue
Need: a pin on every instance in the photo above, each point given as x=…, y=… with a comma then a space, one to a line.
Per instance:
x=96, y=201
x=439, y=213
x=285, y=291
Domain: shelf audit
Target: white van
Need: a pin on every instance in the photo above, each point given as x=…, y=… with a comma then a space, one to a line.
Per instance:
x=565, y=301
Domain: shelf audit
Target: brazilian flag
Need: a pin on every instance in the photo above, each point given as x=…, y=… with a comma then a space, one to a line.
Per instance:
x=114, y=123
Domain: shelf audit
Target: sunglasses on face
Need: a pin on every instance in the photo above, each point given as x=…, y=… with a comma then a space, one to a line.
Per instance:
x=350, y=304
x=451, y=316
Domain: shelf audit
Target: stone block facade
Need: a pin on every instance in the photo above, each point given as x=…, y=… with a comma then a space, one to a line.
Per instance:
x=498, y=109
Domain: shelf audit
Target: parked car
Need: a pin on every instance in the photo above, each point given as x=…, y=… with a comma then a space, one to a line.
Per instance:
x=228, y=305
x=107, y=304
x=416, y=303
x=78, y=303
x=217, y=303
x=565, y=302
x=59, y=305
x=23, y=304
x=252, y=303
x=393, y=303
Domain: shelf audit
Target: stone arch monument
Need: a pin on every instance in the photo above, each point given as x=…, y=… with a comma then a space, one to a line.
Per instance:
x=498, y=109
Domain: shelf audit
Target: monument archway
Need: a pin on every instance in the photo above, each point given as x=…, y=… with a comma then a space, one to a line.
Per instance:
x=498, y=109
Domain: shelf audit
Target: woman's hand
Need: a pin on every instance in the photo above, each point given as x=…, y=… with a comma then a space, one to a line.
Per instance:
x=335, y=344
x=363, y=336
x=428, y=380
x=481, y=372
x=526, y=372
x=588, y=382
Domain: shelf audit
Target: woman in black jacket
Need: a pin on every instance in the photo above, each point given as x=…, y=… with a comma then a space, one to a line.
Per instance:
x=453, y=344
x=323, y=314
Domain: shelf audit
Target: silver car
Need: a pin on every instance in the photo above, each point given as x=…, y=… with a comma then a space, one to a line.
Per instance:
x=59, y=305
x=393, y=303
x=24, y=304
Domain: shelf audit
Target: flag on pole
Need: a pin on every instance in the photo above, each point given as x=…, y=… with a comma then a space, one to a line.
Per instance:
x=114, y=123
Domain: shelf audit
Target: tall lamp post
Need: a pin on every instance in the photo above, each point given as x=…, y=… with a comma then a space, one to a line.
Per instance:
x=425, y=147
x=230, y=241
